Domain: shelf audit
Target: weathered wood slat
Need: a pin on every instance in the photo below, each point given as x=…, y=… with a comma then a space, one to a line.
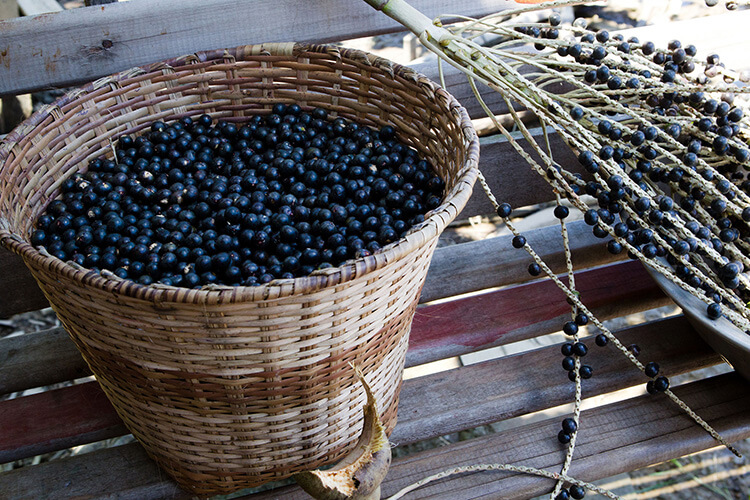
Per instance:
x=81, y=45
x=505, y=171
x=124, y=472
x=492, y=262
x=68, y=45
x=456, y=83
x=509, y=386
x=39, y=359
x=616, y=438
x=613, y=439
x=521, y=312
x=48, y=357
x=19, y=292
x=36, y=7
x=8, y=9
x=55, y=420
x=430, y=406
x=527, y=382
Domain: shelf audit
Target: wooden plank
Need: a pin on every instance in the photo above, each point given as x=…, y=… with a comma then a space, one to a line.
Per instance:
x=68, y=45
x=510, y=178
x=124, y=472
x=39, y=359
x=13, y=109
x=36, y=7
x=477, y=265
x=55, y=420
x=526, y=311
x=510, y=386
x=439, y=331
x=19, y=292
x=439, y=404
x=79, y=45
x=613, y=439
x=430, y=406
x=8, y=9
x=456, y=84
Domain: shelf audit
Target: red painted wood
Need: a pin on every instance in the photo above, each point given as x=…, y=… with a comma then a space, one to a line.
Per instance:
x=73, y=415
x=61, y=418
x=504, y=316
x=57, y=419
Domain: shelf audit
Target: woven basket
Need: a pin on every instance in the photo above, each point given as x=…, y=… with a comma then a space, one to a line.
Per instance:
x=235, y=386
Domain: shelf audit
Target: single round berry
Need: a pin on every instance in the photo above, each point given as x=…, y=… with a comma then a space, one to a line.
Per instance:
x=586, y=371
x=569, y=425
x=518, y=241
x=570, y=328
x=561, y=211
x=581, y=319
x=577, y=492
x=580, y=349
x=504, y=210
x=563, y=437
x=713, y=311
x=661, y=383
x=651, y=369
x=534, y=269
x=566, y=349
x=568, y=363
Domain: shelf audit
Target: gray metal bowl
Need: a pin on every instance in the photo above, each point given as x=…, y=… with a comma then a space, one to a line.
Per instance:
x=726, y=339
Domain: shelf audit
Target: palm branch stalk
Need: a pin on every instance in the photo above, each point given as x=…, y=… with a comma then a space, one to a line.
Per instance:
x=661, y=139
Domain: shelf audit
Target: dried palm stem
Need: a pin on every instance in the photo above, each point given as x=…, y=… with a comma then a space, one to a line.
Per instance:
x=661, y=138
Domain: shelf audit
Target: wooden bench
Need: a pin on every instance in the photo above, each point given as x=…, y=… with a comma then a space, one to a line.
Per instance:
x=521, y=394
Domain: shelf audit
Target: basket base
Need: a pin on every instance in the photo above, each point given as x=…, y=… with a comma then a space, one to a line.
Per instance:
x=233, y=465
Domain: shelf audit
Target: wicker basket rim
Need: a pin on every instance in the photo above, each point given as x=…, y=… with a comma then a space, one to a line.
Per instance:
x=433, y=225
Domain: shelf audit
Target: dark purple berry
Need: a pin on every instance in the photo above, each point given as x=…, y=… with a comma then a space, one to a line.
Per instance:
x=577, y=492
x=661, y=384
x=651, y=369
x=569, y=426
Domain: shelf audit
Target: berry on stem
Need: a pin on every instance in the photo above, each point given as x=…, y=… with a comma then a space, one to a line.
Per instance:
x=577, y=492
x=651, y=369
x=661, y=383
x=570, y=328
x=569, y=426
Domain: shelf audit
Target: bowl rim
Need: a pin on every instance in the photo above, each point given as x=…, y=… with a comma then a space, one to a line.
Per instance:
x=695, y=309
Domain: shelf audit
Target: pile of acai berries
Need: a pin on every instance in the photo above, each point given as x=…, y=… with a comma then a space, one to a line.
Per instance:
x=192, y=203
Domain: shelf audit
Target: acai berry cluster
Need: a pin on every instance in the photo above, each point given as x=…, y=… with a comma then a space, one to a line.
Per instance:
x=192, y=202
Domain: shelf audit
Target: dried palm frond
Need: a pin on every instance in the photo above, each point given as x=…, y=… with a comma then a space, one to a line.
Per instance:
x=661, y=137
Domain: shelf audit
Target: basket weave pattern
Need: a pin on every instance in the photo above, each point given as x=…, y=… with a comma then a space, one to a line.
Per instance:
x=231, y=387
